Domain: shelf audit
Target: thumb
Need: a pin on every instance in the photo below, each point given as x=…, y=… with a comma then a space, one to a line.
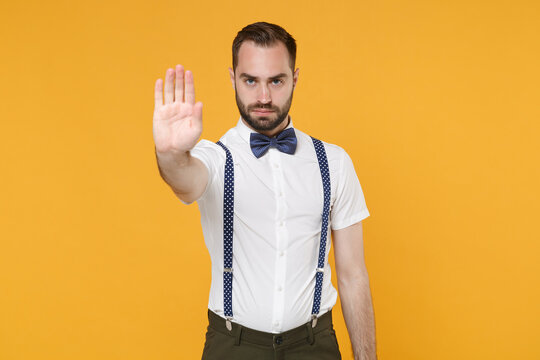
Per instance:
x=197, y=110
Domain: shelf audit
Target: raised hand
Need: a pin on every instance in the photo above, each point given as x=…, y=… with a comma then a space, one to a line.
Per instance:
x=177, y=121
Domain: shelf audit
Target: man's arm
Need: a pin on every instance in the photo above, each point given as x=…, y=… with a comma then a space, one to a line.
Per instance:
x=354, y=291
x=186, y=175
x=177, y=126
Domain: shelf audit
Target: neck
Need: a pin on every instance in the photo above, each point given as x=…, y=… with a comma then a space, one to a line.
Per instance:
x=271, y=132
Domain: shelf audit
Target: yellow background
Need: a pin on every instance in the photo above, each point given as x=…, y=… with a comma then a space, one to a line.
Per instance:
x=437, y=102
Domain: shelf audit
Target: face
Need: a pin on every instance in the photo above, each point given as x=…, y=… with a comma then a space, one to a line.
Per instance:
x=264, y=84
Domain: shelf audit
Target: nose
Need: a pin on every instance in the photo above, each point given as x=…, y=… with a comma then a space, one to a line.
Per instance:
x=264, y=94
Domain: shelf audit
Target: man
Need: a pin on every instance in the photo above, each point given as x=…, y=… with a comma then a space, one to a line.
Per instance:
x=261, y=191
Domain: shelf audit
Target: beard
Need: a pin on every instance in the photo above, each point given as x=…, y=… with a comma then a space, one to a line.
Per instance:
x=264, y=123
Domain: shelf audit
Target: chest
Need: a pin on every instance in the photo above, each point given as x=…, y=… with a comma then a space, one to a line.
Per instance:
x=279, y=189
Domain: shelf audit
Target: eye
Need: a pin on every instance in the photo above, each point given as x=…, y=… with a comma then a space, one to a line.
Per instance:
x=277, y=81
x=250, y=81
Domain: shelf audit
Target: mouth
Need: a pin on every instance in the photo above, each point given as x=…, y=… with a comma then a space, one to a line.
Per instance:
x=262, y=111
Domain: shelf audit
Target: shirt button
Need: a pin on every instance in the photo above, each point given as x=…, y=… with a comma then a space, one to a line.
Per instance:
x=281, y=223
x=276, y=165
x=282, y=253
x=279, y=288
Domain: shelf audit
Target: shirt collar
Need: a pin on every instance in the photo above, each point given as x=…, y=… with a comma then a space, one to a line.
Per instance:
x=245, y=132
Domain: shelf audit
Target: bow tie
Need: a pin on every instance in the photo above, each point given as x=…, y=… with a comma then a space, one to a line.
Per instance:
x=285, y=142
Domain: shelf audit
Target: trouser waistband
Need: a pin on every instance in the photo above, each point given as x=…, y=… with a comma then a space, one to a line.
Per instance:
x=242, y=333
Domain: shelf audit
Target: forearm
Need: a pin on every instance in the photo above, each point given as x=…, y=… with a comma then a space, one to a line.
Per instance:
x=185, y=174
x=357, y=307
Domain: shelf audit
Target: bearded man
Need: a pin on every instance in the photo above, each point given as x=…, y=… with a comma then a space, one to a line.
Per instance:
x=269, y=197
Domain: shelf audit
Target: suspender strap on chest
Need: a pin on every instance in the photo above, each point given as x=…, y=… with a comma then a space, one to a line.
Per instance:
x=319, y=272
x=228, y=216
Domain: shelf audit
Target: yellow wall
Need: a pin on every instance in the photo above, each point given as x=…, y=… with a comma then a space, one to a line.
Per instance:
x=437, y=102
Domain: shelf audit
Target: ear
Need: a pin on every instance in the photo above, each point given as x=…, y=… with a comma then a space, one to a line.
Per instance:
x=231, y=74
x=295, y=77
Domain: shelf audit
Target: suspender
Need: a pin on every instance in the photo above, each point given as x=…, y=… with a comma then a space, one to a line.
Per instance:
x=228, y=212
x=319, y=274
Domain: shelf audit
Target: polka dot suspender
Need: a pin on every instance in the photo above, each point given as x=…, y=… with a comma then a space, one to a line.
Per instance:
x=319, y=274
x=228, y=212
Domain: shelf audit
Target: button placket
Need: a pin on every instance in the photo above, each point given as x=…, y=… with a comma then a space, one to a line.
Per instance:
x=281, y=239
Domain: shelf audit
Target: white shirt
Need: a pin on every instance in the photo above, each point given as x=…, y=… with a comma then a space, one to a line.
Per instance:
x=278, y=202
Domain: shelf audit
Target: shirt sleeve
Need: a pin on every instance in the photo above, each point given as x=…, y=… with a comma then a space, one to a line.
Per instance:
x=213, y=158
x=349, y=206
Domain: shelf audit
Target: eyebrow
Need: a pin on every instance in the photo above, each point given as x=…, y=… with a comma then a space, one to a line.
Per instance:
x=278, y=76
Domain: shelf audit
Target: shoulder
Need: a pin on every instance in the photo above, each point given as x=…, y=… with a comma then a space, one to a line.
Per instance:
x=208, y=146
x=334, y=153
x=210, y=153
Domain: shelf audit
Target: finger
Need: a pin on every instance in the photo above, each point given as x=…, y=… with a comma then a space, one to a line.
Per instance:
x=190, y=88
x=158, y=94
x=169, y=92
x=197, y=115
x=179, y=86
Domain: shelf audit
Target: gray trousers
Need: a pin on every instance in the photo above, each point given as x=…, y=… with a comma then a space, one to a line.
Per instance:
x=302, y=343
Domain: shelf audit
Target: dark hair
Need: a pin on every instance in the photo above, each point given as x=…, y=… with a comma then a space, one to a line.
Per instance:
x=264, y=34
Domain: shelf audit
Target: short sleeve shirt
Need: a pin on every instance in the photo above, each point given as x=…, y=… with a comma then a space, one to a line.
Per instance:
x=278, y=205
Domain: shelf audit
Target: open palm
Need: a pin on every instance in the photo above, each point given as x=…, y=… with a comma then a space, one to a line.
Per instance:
x=177, y=120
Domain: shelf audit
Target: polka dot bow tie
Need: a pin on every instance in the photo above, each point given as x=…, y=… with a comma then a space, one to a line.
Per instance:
x=285, y=142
